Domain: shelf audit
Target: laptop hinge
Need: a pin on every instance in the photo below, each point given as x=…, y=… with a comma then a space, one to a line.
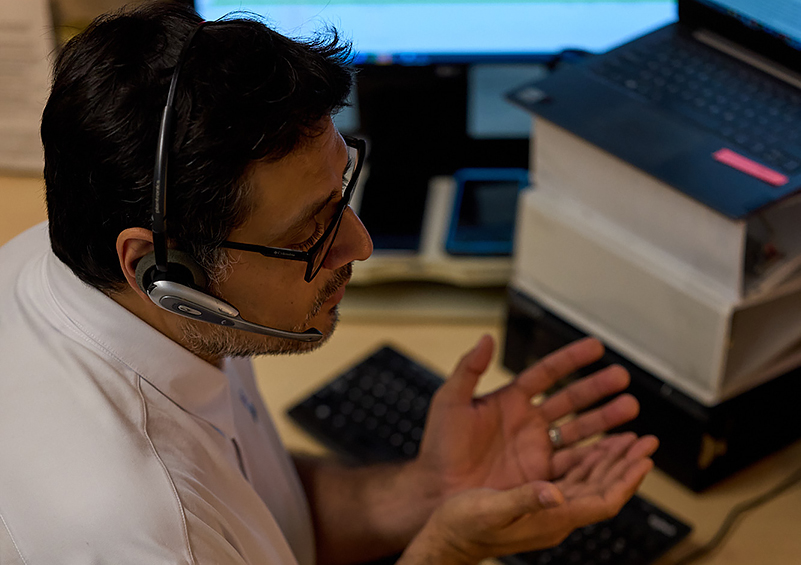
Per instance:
x=747, y=56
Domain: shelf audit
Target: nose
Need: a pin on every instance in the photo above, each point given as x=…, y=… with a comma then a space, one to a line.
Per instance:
x=352, y=242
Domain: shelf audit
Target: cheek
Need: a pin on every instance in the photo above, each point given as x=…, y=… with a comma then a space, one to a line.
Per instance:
x=276, y=294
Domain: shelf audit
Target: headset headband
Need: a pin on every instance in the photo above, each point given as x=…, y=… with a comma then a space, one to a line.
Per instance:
x=162, y=157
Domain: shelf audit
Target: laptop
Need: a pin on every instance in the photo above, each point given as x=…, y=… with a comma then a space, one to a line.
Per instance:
x=710, y=105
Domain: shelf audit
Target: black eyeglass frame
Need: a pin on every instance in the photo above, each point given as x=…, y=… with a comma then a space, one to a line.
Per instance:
x=309, y=255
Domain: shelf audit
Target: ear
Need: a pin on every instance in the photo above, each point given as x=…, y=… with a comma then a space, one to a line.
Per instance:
x=132, y=245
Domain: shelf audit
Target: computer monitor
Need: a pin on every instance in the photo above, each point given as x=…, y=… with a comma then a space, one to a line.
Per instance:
x=414, y=32
x=432, y=79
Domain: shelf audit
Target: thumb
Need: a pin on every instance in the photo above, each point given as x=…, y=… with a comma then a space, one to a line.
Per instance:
x=536, y=495
x=509, y=505
x=469, y=369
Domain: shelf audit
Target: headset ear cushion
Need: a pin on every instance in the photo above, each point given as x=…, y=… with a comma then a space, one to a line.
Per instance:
x=182, y=267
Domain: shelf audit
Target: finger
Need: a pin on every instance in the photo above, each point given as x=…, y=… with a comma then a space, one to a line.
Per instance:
x=599, y=502
x=585, y=477
x=541, y=376
x=643, y=448
x=605, y=501
x=615, y=453
x=462, y=384
x=578, y=473
x=618, y=411
x=501, y=508
x=617, y=493
x=534, y=496
x=585, y=392
x=568, y=457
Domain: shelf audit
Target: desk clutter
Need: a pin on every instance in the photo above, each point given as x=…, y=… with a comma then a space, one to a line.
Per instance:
x=466, y=235
x=375, y=411
x=663, y=219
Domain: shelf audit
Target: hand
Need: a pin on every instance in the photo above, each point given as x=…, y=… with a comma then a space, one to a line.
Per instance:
x=500, y=440
x=483, y=522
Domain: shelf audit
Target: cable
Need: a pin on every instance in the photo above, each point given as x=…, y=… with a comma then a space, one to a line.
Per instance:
x=735, y=513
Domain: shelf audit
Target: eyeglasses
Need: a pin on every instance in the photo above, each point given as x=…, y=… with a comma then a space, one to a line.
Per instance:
x=315, y=256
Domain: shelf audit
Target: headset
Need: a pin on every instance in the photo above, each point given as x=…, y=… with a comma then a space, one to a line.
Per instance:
x=171, y=278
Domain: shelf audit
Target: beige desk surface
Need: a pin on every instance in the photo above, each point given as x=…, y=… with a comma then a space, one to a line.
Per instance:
x=436, y=327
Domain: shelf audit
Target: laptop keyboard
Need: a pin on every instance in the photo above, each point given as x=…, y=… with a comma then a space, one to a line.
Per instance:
x=751, y=109
x=376, y=411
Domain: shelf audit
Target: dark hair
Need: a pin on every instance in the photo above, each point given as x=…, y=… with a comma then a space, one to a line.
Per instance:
x=245, y=93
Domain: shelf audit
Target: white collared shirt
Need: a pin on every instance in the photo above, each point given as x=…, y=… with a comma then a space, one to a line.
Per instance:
x=119, y=446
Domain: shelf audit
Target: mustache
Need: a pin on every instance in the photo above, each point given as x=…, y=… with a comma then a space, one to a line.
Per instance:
x=338, y=280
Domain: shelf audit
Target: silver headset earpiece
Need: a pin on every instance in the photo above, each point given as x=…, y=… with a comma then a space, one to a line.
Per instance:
x=172, y=279
x=181, y=268
x=175, y=291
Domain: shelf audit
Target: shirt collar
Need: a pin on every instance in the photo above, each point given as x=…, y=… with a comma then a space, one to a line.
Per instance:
x=192, y=383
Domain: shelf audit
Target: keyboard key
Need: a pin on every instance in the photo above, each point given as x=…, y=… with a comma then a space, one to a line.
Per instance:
x=410, y=449
x=346, y=407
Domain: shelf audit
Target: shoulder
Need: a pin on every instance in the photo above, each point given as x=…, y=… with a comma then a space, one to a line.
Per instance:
x=73, y=457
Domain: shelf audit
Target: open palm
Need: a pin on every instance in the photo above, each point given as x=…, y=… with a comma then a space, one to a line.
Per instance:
x=484, y=522
x=501, y=440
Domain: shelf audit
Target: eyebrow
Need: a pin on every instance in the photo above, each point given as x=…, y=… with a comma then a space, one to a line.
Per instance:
x=319, y=206
x=311, y=211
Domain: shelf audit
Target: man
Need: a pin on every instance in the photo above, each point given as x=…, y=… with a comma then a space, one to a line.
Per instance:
x=130, y=426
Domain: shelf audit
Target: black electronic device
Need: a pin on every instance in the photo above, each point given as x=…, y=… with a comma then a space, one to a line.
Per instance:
x=699, y=444
x=376, y=411
x=484, y=211
x=710, y=105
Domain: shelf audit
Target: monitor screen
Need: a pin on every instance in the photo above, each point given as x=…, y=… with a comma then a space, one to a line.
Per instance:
x=418, y=32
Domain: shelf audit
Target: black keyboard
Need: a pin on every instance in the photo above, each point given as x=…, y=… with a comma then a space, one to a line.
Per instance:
x=373, y=412
x=749, y=108
x=376, y=411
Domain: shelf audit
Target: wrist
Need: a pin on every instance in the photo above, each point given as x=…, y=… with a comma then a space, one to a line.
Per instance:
x=431, y=547
x=427, y=484
x=397, y=499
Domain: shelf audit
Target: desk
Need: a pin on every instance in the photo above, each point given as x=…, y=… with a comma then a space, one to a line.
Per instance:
x=769, y=535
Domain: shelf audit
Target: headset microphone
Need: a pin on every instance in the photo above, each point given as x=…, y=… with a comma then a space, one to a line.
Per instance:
x=197, y=305
x=171, y=278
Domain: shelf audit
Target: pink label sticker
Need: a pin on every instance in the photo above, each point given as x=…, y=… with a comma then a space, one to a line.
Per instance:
x=749, y=167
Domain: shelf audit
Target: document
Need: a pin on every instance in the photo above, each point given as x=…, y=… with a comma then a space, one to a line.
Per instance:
x=26, y=43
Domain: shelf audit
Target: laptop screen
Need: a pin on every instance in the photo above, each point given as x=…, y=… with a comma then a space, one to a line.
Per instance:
x=780, y=18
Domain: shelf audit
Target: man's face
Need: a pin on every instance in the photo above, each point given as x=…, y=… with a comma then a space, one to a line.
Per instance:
x=289, y=196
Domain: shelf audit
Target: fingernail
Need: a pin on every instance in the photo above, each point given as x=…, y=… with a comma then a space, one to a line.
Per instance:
x=548, y=498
